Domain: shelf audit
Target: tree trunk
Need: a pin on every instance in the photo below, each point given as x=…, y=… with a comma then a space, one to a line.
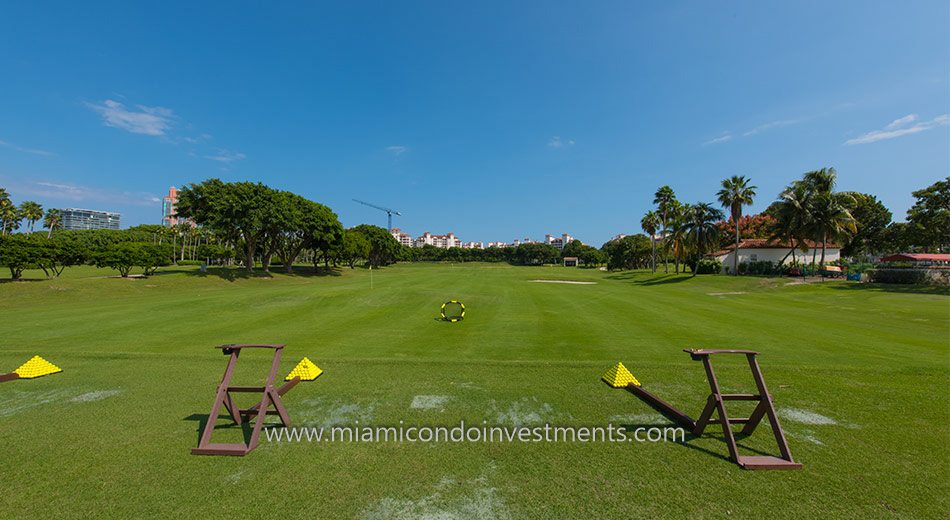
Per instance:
x=653, y=245
x=735, y=255
x=249, y=256
x=824, y=238
x=50, y=234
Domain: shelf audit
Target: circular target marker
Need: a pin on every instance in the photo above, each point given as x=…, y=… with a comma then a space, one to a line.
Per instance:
x=453, y=311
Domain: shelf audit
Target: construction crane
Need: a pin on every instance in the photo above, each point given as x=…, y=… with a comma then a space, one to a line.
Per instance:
x=389, y=212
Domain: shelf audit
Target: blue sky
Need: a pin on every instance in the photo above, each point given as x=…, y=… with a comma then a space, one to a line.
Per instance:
x=495, y=120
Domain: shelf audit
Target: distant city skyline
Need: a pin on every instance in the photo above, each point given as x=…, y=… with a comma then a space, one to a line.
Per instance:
x=492, y=120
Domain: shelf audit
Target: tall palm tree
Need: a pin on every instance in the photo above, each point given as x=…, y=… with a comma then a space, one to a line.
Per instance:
x=830, y=210
x=52, y=220
x=31, y=211
x=794, y=220
x=665, y=199
x=678, y=232
x=832, y=218
x=734, y=194
x=649, y=223
x=9, y=216
x=703, y=232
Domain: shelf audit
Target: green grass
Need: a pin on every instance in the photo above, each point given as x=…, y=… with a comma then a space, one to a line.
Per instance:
x=110, y=436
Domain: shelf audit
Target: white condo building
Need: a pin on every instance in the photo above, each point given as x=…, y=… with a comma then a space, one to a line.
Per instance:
x=558, y=242
x=402, y=238
x=441, y=241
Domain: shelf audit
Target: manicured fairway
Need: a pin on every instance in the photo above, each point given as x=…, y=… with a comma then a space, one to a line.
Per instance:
x=860, y=375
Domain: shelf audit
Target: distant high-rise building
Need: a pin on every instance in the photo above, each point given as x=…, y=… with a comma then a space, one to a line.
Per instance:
x=168, y=208
x=403, y=238
x=558, y=242
x=74, y=219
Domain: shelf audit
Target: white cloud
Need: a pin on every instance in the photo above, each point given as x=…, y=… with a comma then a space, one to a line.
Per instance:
x=57, y=192
x=397, y=150
x=774, y=124
x=34, y=151
x=902, y=121
x=898, y=128
x=226, y=156
x=154, y=121
x=721, y=139
x=557, y=142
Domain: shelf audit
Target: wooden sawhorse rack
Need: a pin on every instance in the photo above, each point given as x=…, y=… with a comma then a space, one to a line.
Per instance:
x=270, y=396
x=716, y=403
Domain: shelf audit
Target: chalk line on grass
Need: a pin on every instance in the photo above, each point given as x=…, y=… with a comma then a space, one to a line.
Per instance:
x=450, y=499
x=805, y=416
x=97, y=395
x=19, y=400
x=523, y=412
x=429, y=402
x=325, y=413
x=725, y=293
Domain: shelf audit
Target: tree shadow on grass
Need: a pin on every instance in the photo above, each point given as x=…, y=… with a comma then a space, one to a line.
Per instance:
x=232, y=274
x=649, y=279
x=8, y=280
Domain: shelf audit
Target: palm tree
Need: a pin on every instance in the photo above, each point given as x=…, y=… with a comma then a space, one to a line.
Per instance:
x=52, y=220
x=703, y=231
x=830, y=210
x=31, y=211
x=9, y=216
x=664, y=198
x=678, y=232
x=649, y=223
x=734, y=194
x=832, y=218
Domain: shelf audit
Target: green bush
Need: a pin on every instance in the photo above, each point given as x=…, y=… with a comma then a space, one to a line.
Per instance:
x=901, y=276
x=190, y=262
x=709, y=266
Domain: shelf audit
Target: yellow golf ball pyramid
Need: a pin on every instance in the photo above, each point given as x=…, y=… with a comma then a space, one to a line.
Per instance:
x=618, y=376
x=36, y=367
x=306, y=370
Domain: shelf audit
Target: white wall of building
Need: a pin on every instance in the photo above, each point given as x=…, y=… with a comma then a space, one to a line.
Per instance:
x=775, y=255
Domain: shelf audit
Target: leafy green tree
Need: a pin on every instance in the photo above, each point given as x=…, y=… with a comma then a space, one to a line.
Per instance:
x=19, y=252
x=649, y=223
x=52, y=220
x=929, y=217
x=735, y=193
x=592, y=257
x=629, y=252
x=383, y=248
x=356, y=247
x=59, y=253
x=871, y=219
x=535, y=254
x=126, y=255
x=238, y=210
x=32, y=212
x=573, y=248
x=702, y=230
x=665, y=200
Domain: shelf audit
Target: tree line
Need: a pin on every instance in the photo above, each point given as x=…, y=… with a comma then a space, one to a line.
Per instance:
x=807, y=215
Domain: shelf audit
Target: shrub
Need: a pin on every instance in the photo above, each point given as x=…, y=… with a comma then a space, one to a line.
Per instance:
x=190, y=262
x=709, y=266
x=902, y=276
